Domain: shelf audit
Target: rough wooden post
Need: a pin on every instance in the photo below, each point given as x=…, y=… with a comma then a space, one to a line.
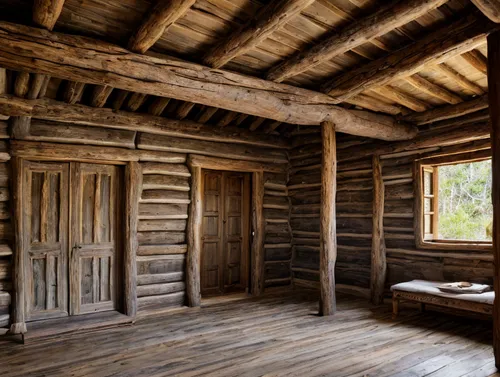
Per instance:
x=133, y=189
x=494, y=99
x=328, y=236
x=379, y=266
x=194, y=238
x=18, y=325
x=258, y=236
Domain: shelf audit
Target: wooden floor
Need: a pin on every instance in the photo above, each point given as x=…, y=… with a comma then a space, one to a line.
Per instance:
x=277, y=335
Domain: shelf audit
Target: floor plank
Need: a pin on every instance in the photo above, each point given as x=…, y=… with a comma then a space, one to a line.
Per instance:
x=278, y=334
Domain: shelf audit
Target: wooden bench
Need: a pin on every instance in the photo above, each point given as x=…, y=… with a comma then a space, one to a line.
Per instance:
x=426, y=292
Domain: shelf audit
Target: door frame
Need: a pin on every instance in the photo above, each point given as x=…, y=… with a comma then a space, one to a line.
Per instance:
x=22, y=151
x=194, y=229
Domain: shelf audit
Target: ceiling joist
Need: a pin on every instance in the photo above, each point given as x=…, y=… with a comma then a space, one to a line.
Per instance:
x=93, y=62
x=46, y=12
x=490, y=8
x=454, y=39
x=391, y=16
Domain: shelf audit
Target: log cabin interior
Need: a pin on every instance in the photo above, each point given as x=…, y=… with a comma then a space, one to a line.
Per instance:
x=245, y=187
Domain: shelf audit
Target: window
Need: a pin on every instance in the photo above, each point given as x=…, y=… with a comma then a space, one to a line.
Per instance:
x=453, y=202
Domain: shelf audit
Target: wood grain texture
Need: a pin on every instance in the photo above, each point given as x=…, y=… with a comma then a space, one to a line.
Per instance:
x=194, y=228
x=133, y=189
x=46, y=12
x=159, y=18
x=494, y=105
x=490, y=8
x=378, y=259
x=258, y=226
x=328, y=236
x=457, y=38
x=94, y=62
x=268, y=19
x=386, y=19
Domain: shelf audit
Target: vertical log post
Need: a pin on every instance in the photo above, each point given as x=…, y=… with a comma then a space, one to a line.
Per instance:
x=379, y=266
x=18, y=325
x=494, y=106
x=328, y=236
x=133, y=189
x=194, y=230
x=258, y=236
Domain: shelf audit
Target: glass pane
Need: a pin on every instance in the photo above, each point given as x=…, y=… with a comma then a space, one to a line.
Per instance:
x=427, y=205
x=427, y=183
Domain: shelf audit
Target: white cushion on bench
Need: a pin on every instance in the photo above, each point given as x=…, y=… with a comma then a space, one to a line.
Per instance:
x=430, y=287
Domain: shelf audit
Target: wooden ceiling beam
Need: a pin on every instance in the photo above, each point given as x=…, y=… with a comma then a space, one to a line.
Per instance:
x=490, y=8
x=227, y=119
x=158, y=106
x=46, y=12
x=402, y=98
x=100, y=95
x=39, y=86
x=477, y=60
x=421, y=83
x=183, y=110
x=459, y=37
x=388, y=18
x=94, y=62
x=447, y=112
x=157, y=21
x=459, y=79
x=47, y=109
x=268, y=19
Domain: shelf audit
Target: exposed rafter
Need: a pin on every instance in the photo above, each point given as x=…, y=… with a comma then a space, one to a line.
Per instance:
x=456, y=38
x=46, y=12
x=94, y=62
x=477, y=60
x=157, y=21
x=459, y=79
x=490, y=8
x=269, y=19
x=391, y=16
x=432, y=89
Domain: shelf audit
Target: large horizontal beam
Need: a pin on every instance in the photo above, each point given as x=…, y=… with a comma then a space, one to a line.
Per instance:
x=94, y=62
x=47, y=109
x=389, y=17
x=448, y=112
x=456, y=38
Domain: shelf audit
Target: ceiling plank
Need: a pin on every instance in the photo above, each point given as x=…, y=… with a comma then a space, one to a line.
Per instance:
x=46, y=12
x=388, y=18
x=447, y=112
x=267, y=20
x=48, y=109
x=456, y=38
x=490, y=8
x=94, y=62
x=157, y=21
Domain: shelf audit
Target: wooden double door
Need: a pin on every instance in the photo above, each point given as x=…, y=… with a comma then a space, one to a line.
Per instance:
x=225, y=234
x=71, y=217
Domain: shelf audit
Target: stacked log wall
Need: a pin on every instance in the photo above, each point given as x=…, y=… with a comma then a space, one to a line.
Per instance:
x=5, y=233
x=164, y=204
x=354, y=215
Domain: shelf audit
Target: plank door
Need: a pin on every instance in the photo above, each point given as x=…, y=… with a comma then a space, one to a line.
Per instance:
x=211, y=240
x=45, y=243
x=225, y=236
x=94, y=256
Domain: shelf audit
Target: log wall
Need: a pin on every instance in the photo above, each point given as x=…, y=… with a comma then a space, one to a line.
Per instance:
x=354, y=215
x=5, y=237
x=164, y=205
x=405, y=261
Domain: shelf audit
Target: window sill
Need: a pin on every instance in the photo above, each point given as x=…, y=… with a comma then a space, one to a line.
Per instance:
x=454, y=245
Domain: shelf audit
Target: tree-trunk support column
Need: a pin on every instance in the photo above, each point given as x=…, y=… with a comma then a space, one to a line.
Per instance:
x=194, y=230
x=328, y=232
x=494, y=105
x=379, y=266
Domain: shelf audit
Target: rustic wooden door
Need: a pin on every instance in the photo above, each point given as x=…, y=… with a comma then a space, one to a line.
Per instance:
x=225, y=236
x=45, y=242
x=94, y=257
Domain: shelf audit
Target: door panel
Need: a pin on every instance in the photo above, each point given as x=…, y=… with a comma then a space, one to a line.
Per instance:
x=225, y=237
x=94, y=257
x=45, y=221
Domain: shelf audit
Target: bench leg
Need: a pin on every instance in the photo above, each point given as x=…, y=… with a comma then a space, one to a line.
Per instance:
x=395, y=307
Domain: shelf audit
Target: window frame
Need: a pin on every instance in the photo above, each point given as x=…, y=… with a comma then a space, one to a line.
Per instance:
x=419, y=223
